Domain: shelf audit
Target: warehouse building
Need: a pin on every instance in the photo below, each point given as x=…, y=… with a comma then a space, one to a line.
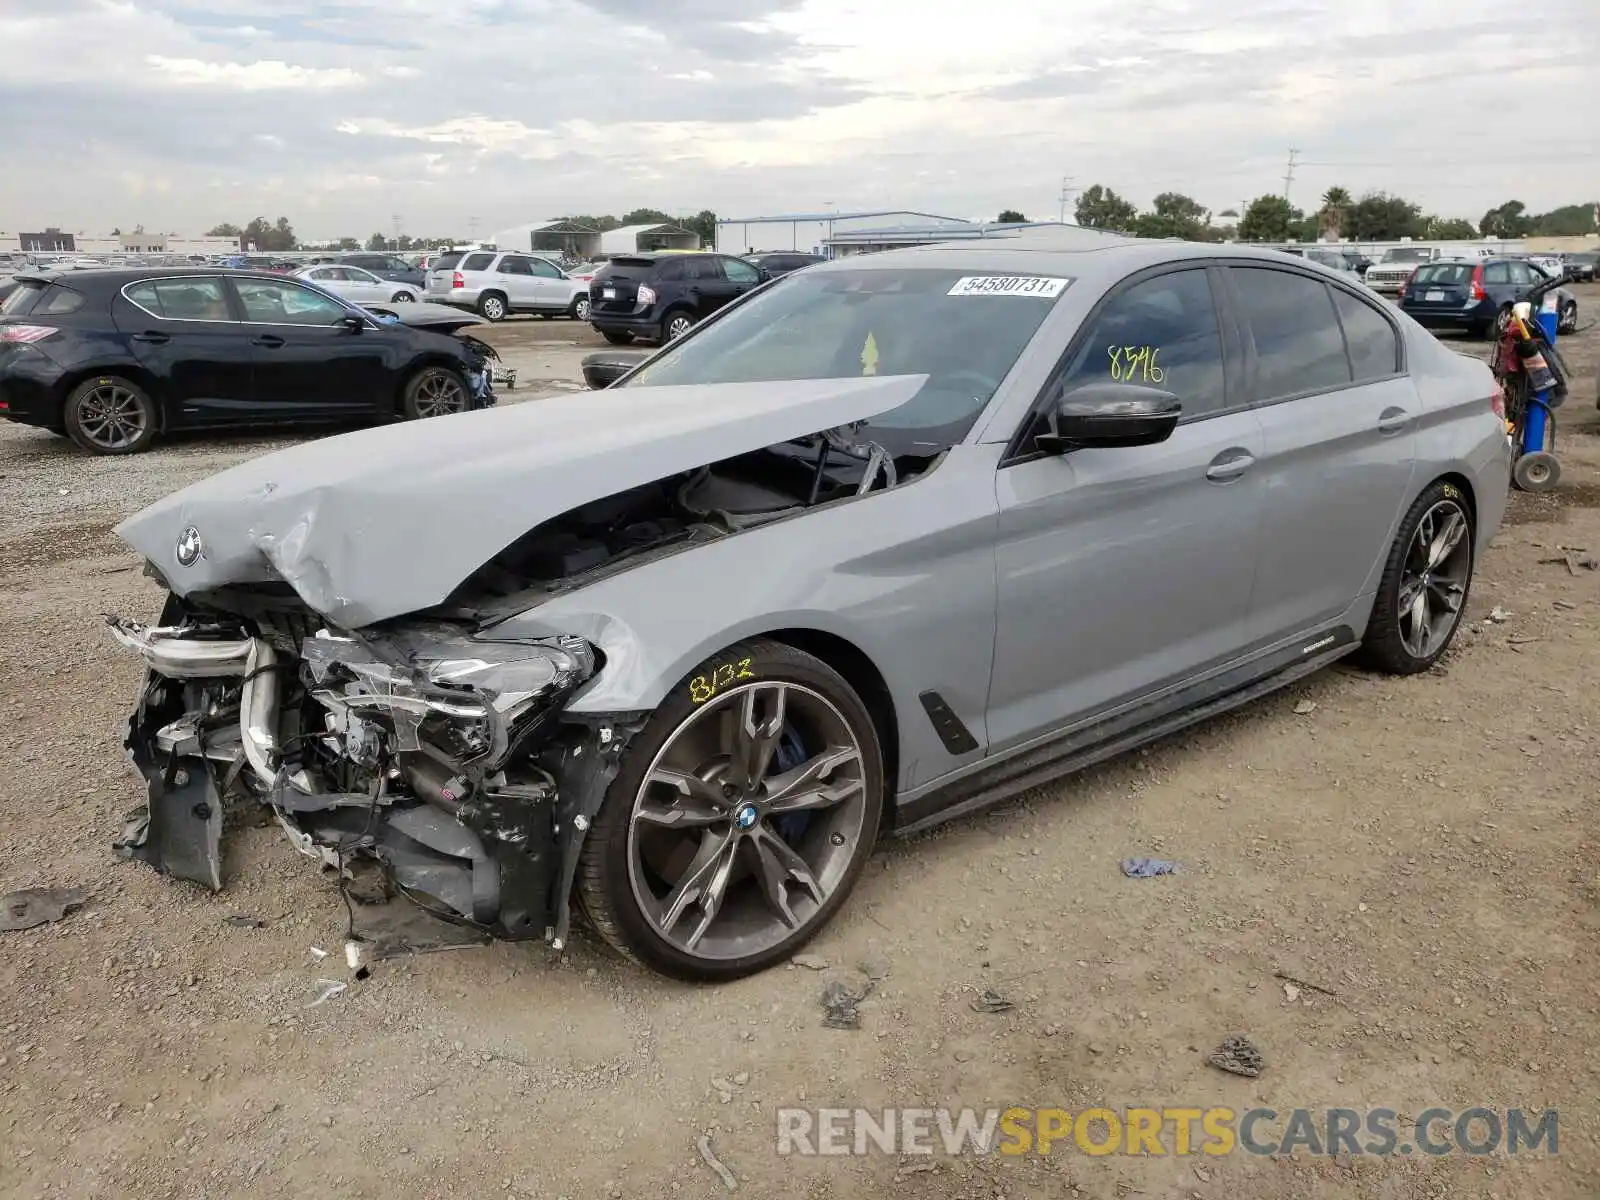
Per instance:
x=809, y=232
x=891, y=237
x=551, y=237
x=631, y=239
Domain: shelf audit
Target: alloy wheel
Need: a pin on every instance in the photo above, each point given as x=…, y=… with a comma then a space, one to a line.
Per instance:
x=112, y=417
x=401, y=298
x=1433, y=582
x=580, y=310
x=439, y=393
x=677, y=327
x=748, y=819
x=494, y=308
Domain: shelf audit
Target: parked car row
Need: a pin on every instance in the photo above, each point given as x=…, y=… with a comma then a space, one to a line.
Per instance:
x=1477, y=296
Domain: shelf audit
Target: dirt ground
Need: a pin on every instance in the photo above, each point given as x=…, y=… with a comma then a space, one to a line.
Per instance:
x=1423, y=849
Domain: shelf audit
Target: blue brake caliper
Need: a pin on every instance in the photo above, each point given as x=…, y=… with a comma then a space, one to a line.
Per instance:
x=791, y=753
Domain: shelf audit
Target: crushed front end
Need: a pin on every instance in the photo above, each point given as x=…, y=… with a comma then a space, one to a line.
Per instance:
x=418, y=760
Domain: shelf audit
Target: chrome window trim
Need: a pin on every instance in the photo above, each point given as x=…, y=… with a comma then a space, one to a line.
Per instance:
x=123, y=292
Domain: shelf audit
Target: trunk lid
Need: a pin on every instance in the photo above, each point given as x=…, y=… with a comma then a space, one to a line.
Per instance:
x=1440, y=287
x=615, y=287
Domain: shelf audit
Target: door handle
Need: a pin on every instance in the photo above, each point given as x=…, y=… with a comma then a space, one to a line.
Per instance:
x=270, y=340
x=1393, y=420
x=1229, y=465
x=153, y=339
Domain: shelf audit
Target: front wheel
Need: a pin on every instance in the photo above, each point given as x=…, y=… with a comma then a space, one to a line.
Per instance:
x=1425, y=584
x=492, y=306
x=580, y=309
x=434, y=392
x=110, y=415
x=743, y=813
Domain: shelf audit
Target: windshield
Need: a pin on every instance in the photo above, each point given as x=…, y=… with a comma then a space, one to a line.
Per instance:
x=964, y=332
x=1406, y=256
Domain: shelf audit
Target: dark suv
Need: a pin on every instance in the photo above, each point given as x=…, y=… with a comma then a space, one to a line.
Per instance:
x=661, y=296
x=386, y=266
x=1477, y=295
x=781, y=262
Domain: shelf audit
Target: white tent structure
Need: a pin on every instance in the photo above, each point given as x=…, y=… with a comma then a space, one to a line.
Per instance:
x=631, y=239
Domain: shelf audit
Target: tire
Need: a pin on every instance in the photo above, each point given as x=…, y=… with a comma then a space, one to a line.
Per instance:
x=1501, y=320
x=1391, y=643
x=616, y=338
x=1568, y=322
x=830, y=845
x=402, y=298
x=1536, y=472
x=492, y=306
x=107, y=414
x=434, y=392
x=580, y=308
x=675, y=324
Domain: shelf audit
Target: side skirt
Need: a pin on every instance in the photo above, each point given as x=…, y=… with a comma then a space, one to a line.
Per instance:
x=1085, y=745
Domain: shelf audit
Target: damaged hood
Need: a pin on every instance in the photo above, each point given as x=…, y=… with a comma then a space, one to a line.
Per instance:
x=371, y=525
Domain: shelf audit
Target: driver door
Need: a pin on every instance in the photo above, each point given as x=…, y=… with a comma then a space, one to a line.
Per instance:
x=305, y=360
x=1122, y=572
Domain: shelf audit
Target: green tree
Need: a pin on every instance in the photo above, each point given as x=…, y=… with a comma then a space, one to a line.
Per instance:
x=1173, y=215
x=1267, y=219
x=347, y=244
x=1010, y=216
x=703, y=223
x=604, y=224
x=376, y=242
x=1101, y=208
x=1508, y=220
x=646, y=216
x=267, y=237
x=1378, y=216
x=1570, y=220
x=224, y=230
x=1449, y=229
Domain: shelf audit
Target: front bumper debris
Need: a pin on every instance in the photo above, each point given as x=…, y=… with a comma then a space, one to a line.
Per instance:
x=421, y=763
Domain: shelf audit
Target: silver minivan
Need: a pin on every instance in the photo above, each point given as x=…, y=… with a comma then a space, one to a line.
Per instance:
x=496, y=284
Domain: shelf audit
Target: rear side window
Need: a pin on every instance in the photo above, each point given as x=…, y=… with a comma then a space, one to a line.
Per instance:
x=181, y=299
x=58, y=301
x=1299, y=347
x=444, y=262
x=706, y=269
x=22, y=300
x=1497, y=273
x=671, y=271
x=477, y=262
x=1374, y=348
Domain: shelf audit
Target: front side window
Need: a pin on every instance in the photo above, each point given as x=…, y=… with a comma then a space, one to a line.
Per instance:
x=272, y=303
x=740, y=271
x=515, y=266
x=848, y=324
x=1370, y=339
x=1299, y=347
x=544, y=268
x=181, y=299
x=1160, y=333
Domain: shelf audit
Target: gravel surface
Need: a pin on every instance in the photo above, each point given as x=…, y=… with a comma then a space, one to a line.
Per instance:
x=1421, y=848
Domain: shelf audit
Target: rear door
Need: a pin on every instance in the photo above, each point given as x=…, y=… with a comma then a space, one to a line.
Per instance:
x=184, y=333
x=707, y=285
x=1339, y=418
x=307, y=361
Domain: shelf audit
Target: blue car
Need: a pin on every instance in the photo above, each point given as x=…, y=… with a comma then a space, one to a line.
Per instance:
x=1477, y=295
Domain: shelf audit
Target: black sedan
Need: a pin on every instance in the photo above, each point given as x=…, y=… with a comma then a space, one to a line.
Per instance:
x=115, y=358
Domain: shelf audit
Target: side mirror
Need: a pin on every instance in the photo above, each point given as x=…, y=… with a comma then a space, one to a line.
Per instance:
x=603, y=369
x=1108, y=415
x=763, y=275
x=351, y=323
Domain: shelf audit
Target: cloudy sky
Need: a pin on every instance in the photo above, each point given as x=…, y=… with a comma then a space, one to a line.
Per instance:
x=344, y=114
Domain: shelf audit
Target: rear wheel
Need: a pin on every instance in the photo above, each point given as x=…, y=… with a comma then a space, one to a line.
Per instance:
x=434, y=392
x=402, y=298
x=1568, y=322
x=1425, y=584
x=616, y=338
x=110, y=415
x=744, y=812
x=492, y=306
x=676, y=325
x=1501, y=320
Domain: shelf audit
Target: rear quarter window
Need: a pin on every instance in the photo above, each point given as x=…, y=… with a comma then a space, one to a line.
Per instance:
x=58, y=301
x=1374, y=348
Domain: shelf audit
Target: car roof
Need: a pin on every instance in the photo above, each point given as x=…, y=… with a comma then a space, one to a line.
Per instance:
x=113, y=278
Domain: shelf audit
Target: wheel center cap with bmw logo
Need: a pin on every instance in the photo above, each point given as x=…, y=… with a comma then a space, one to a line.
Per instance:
x=190, y=547
x=746, y=817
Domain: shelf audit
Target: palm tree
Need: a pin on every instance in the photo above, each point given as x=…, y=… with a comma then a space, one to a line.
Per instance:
x=1335, y=202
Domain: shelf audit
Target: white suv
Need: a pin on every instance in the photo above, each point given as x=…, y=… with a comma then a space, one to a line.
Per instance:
x=496, y=285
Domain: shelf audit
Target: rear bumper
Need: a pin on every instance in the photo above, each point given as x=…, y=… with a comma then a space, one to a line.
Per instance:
x=30, y=387
x=644, y=324
x=455, y=297
x=1449, y=318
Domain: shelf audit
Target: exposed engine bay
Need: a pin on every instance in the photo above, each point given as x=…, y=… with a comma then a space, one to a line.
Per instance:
x=417, y=757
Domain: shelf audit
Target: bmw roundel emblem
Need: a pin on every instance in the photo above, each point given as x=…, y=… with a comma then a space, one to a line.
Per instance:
x=746, y=817
x=190, y=547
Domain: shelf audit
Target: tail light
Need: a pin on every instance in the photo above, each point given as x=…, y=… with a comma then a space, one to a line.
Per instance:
x=647, y=294
x=1406, y=282
x=456, y=281
x=1498, y=401
x=1477, y=285
x=24, y=333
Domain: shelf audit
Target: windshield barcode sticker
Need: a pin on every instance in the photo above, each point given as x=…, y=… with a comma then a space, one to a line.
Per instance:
x=1042, y=286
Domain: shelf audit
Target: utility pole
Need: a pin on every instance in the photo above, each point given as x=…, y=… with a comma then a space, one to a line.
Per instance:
x=1288, y=175
x=472, y=229
x=1067, y=192
x=396, y=219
